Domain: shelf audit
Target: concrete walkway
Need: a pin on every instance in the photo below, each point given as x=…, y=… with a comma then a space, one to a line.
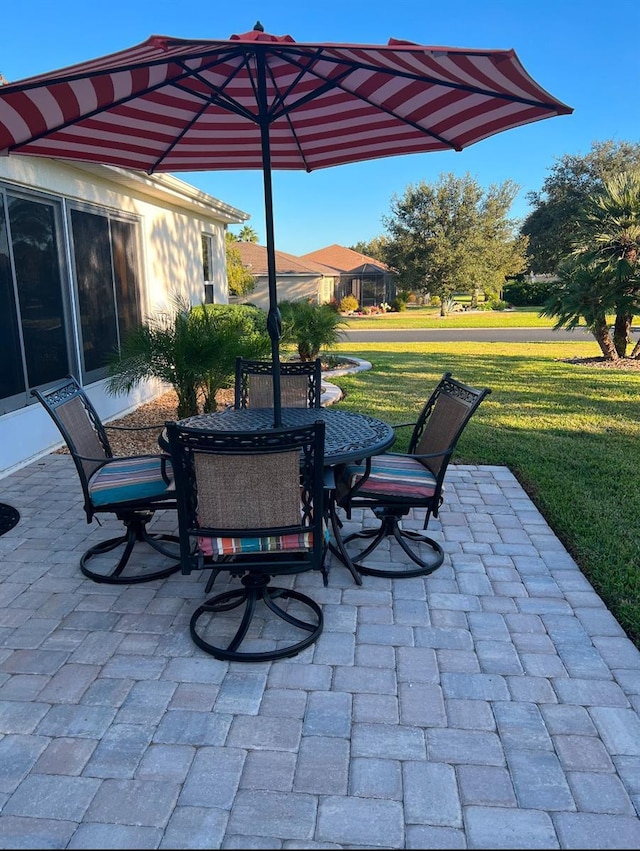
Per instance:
x=493, y=704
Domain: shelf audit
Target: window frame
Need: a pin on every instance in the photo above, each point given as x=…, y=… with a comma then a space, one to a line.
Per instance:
x=56, y=203
x=89, y=376
x=62, y=206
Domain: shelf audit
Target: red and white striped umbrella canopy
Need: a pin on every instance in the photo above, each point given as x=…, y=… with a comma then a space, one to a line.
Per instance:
x=259, y=101
x=172, y=105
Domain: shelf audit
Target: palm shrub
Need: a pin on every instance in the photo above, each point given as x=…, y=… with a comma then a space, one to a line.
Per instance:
x=602, y=274
x=310, y=327
x=582, y=293
x=193, y=349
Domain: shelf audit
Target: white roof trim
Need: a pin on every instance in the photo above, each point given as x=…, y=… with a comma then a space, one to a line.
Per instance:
x=168, y=188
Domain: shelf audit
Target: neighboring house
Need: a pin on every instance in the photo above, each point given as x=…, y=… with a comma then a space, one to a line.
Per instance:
x=295, y=278
x=87, y=252
x=369, y=280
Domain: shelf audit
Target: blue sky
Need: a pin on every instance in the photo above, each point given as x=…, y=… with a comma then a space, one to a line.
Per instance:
x=584, y=53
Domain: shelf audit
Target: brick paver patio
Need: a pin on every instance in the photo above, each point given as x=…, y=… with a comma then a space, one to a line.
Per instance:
x=493, y=704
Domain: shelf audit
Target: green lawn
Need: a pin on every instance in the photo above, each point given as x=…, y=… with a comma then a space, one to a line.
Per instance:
x=524, y=317
x=570, y=433
x=429, y=317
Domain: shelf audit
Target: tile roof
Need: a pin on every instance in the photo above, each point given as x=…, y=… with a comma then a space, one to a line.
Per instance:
x=341, y=258
x=254, y=256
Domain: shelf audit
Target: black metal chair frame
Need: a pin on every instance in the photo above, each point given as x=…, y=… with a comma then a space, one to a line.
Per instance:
x=434, y=423
x=134, y=514
x=191, y=450
x=290, y=374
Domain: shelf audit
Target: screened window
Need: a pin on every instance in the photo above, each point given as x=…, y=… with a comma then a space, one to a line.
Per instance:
x=373, y=292
x=106, y=268
x=46, y=329
x=207, y=268
x=34, y=319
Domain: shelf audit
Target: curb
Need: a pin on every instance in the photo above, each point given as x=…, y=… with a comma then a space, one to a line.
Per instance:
x=331, y=392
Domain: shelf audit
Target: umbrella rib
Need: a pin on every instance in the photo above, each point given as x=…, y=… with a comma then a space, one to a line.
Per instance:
x=216, y=96
x=98, y=110
x=281, y=99
x=334, y=83
x=176, y=141
x=177, y=82
x=420, y=78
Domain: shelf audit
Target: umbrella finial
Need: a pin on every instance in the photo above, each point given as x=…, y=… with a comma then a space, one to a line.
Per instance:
x=258, y=26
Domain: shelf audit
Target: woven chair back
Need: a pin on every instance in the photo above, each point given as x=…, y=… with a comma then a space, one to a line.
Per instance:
x=300, y=384
x=248, y=491
x=250, y=485
x=81, y=436
x=294, y=391
x=79, y=424
x=442, y=421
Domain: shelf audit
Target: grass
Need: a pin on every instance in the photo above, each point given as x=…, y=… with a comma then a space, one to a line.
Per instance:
x=428, y=317
x=570, y=433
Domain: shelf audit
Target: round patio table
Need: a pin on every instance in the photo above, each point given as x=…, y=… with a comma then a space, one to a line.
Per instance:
x=348, y=436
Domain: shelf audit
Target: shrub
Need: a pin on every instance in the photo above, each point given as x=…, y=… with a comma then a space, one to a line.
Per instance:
x=348, y=304
x=193, y=349
x=521, y=293
x=309, y=326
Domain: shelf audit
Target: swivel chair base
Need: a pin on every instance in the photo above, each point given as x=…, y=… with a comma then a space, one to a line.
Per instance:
x=390, y=527
x=136, y=531
x=256, y=590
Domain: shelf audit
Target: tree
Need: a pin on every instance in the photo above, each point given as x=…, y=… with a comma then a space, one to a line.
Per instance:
x=453, y=236
x=581, y=294
x=247, y=234
x=610, y=233
x=375, y=248
x=602, y=274
x=240, y=280
x=498, y=250
x=556, y=207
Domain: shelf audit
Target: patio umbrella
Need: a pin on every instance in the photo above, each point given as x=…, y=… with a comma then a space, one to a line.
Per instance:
x=259, y=101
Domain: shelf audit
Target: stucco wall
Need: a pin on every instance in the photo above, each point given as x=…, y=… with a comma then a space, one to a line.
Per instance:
x=171, y=260
x=291, y=288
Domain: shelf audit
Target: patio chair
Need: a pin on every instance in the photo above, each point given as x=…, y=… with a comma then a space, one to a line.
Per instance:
x=131, y=487
x=394, y=483
x=250, y=503
x=300, y=383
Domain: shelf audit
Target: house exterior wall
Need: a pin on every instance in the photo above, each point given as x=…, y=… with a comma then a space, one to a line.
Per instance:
x=171, y=218
x=290, y=288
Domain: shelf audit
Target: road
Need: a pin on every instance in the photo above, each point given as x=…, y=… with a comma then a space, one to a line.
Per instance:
x=473, y=335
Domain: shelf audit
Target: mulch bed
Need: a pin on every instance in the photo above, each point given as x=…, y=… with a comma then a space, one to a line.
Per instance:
x=621, y=363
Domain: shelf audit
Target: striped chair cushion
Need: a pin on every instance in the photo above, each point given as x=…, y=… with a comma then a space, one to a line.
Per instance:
x=276, y=543
x=393, y=475
x=127, y=479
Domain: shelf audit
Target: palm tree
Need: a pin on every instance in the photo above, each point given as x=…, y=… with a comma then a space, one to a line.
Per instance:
x=610, y=237
x=602, y=274
x=580, y=293
x=193, y=349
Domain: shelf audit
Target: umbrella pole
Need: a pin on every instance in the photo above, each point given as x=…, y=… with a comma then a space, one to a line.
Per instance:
x=274, y=320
